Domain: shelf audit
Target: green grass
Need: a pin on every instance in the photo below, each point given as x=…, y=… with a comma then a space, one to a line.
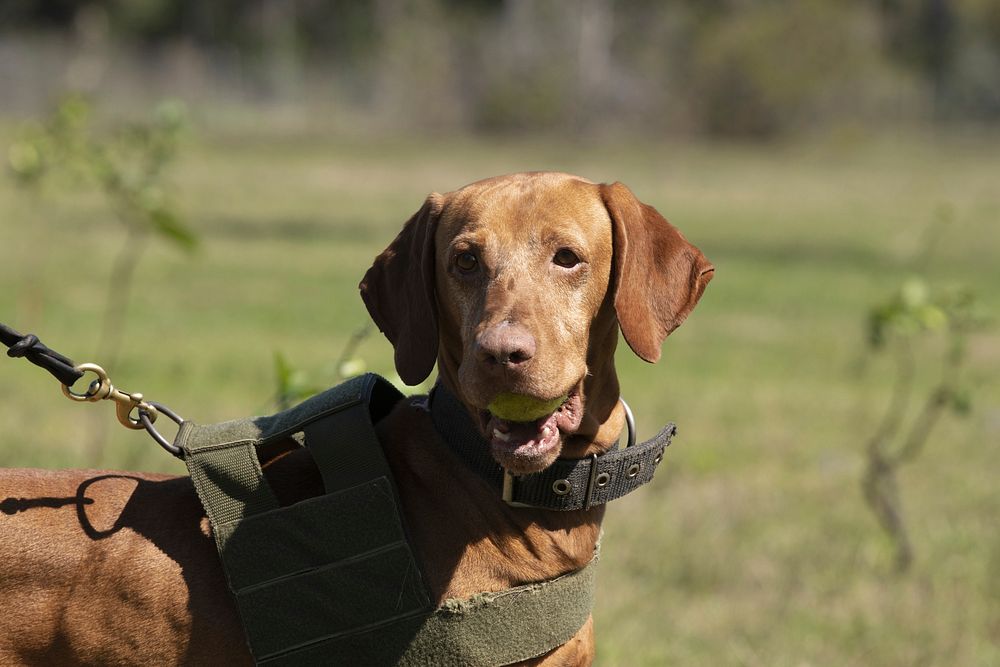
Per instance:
x=753, y=546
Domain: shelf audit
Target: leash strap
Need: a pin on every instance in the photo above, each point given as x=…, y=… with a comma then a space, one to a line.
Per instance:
x=332, y=579
x=568, y=484
x=32, y=349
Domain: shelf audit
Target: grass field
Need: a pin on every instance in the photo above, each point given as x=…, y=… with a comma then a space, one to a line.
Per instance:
x=753, y=546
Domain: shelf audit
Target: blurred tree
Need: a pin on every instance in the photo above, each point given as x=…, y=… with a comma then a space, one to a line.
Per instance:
x=764, y=68
x=129, y=167
x=731, y=67
x=901, y=325
x=922, y=34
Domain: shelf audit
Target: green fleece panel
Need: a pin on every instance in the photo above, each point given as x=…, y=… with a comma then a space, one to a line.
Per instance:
x=309, y=534
x=501, y=628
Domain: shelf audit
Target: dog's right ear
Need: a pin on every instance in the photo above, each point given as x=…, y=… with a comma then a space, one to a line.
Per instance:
x=398, y=291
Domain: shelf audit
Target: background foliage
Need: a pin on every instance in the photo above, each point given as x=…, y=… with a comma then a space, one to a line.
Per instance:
x=747, y=68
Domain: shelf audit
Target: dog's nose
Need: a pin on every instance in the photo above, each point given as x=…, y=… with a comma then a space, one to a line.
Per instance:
x=505, y=344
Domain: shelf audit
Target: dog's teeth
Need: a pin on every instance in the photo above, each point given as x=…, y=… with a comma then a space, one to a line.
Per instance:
x=546, y=432
x=505, y=437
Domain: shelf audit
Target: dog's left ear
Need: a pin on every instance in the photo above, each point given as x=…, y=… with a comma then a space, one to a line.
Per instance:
x=398, y=291
x=658, y=276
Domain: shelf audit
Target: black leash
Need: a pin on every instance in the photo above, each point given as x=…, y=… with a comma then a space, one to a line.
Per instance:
x=133, y=412
x=28, y=346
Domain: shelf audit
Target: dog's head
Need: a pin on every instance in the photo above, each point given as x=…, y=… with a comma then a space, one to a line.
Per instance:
x=518, y=285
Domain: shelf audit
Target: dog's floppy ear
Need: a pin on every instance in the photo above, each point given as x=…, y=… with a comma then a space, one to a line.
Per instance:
x=398, y=291
x=658, y=276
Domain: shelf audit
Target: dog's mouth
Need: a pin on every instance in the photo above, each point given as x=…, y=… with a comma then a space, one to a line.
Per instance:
x=531, y=446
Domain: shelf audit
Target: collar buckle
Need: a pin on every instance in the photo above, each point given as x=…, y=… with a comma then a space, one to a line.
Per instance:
x=508, y=490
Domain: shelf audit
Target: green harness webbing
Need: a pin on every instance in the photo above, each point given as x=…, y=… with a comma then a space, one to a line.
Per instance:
x=332, y=579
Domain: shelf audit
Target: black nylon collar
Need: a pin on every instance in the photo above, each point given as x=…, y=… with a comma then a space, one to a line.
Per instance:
x=568, y=484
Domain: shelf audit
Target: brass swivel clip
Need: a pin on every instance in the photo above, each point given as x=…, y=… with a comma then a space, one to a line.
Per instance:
x=125, y=403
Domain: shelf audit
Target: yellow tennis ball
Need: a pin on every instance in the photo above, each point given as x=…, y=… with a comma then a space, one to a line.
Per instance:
x=521, y=408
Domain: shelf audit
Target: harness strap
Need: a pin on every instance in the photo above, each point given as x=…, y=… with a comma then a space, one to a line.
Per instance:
x=228, y=479
x=336, y=425
x=566, y=485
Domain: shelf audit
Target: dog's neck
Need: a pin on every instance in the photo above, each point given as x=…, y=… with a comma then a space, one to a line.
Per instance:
x=467, y=538
x=481, y=543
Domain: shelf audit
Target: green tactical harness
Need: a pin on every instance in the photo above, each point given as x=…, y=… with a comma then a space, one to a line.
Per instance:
x=333, y=580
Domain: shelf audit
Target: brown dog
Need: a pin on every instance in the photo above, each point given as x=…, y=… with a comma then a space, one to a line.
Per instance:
x=519, y=284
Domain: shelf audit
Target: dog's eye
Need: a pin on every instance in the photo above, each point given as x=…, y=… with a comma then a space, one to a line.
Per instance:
x=566, y=258
x=466, y=262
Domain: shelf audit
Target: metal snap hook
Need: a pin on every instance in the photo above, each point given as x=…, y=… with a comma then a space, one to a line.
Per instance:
x=125, y=405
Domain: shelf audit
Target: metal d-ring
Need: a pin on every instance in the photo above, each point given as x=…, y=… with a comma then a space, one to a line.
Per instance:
x=629, y=422
x=147, y=423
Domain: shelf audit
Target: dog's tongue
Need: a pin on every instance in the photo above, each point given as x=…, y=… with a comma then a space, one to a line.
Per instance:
x=523, y=440
x=527, y=447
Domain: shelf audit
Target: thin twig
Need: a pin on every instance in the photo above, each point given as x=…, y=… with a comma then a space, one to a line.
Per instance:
x=352, y=345
x=901, y=393
x=119, y=291
x=879, y=481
